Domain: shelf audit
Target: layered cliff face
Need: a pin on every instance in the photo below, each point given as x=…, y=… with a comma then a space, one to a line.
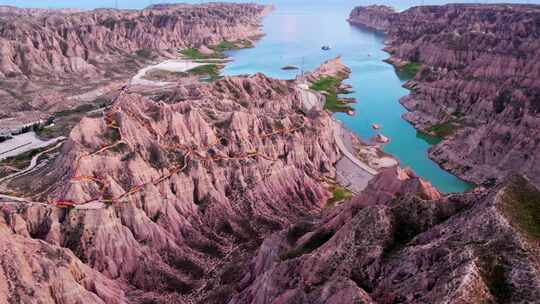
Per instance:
x=173, y=195
x=57, y=53
x=478, y=84
x=464, y=248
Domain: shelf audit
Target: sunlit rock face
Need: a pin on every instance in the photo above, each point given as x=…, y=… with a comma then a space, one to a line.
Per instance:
x=479, y=82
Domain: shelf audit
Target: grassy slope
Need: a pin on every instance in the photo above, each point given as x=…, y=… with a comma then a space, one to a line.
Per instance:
x=219, y=49
x=210, y=70
x=410, y=69
x=338, y=194
x=330, y=85
x=521, y=204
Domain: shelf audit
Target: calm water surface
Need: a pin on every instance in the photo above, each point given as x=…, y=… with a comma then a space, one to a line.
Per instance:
x=295, y=35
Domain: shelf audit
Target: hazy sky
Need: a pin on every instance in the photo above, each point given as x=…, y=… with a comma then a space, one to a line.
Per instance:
x=88, y=4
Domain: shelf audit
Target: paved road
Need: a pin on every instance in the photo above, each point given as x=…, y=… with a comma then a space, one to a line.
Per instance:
x=175, y=65
x=23, y=143
x=338, y=136
x=32, y=165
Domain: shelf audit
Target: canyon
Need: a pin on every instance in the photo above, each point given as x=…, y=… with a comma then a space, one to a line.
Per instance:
x=165, y=200
x=58, y=60
x=477, y=82
x=232, y=190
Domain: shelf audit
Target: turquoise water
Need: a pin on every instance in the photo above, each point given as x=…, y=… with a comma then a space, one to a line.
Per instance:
x=295, y=35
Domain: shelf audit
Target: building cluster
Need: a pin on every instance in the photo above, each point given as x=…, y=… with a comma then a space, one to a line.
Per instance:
x=14, y=126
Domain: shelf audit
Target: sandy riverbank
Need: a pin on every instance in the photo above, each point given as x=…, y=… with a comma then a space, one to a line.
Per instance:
x=173, y=65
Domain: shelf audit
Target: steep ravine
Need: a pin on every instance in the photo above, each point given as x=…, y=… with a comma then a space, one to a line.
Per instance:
x=478, y=83
x=175, y=194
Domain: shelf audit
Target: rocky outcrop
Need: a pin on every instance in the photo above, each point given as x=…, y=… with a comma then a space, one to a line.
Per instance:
x=173, y=195
x=17, y=11
x=63, y=53
x=465, y=248
x=479, y=82
x=214, y=193
x=34, y=271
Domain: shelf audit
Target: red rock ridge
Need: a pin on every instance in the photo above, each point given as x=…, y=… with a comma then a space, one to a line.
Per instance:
x=480, y=76
x=456, y=249
x=173, y=196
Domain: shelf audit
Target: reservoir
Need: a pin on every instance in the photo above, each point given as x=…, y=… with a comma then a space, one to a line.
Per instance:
x=294, y=36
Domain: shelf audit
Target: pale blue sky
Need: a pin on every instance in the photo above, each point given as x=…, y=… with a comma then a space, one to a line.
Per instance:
x=88, y=4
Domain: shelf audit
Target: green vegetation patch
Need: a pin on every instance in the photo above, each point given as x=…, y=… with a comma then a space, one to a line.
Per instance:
x=219, y=49
x=443, y=130
x=317, y=240
x=330, y=85
x=495, y=275
x=338, y=194
x=229, y=45
x=327, y=84
x=430, y=139
x=163, y=75
x=210, y=70
x=521, y=204
x=192, y=53
x=410, y=69
x=22, y=160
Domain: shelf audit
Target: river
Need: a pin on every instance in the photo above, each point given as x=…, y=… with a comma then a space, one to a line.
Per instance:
x=294, y=35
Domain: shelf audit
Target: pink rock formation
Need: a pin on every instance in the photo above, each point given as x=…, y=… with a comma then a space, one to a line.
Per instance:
x=183, y=199
x=174, y=195
x=33, y=270
x=73, y=53
x=463, y=248
x=481, y=75
x=381, y=139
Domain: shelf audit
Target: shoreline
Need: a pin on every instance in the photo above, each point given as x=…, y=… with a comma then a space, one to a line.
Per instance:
x=415, y=119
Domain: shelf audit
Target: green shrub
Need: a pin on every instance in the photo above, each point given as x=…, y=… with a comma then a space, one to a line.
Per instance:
x=192, y=53
x=317, y=240
x=338, y=194
x=521, y=204
x=410, y=69
x=330, y=85
x=211, y=70
x=443, y=130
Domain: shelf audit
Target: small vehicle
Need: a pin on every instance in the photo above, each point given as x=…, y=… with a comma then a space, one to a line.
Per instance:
x=66, y=204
